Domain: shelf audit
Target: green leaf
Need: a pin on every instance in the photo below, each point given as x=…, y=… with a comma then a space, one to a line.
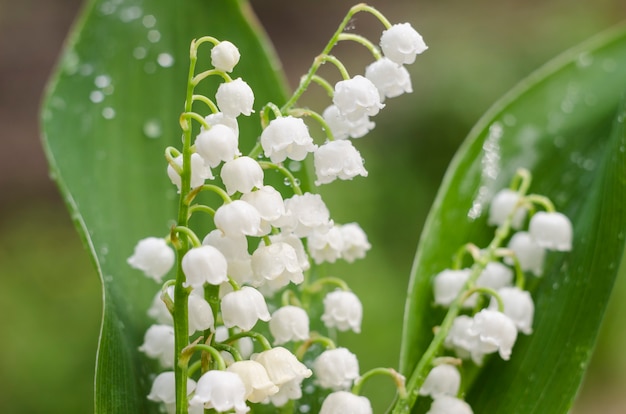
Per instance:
x=109, y=113
x=564, y=123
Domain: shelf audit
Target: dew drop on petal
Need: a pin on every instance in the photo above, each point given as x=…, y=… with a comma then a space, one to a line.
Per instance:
x=152, y=128
x=165, y=60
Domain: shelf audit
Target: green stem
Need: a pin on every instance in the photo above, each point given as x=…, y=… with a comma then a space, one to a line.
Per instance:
x=397, y=378
x=284, y=171
x=362, y=40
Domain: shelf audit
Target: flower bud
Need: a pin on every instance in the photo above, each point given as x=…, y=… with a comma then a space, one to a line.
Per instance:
x=502, y=205
x=282, y=366
x=448, y=284
x=224, y=56
x=158, y=343
x=199, y=171
x=518, y=305
x=164, y=388
x=237, y=218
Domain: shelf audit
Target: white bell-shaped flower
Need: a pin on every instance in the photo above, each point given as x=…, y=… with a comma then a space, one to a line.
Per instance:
x=463, y=340
x=442, y=380
x=496, y=332
x=518, y=305
x=199, y=171
x=268, y=201
x=502, y=205
x=242, y=174
x=495, y=276
x=243, y=308
x=343, y=402
x=342, y=128
x=204, y=264
x=291, y=390
x=225, y=56
x=337, y=159
x=552, y=231
x=326, y=246
x=357, y=97
x=221, y=390
x=164, y=388
x=282, y=366
x=529, y=254
x=255, y=378
x=153, y=257
x=336, y=369
x=296, y=243
x=237, y=218
x=245, y=345
x=342, y=310
x=200, y=314
x=401, y=43
x=218, y=118
x=287, y=137
x=304, y=214
x=449, y=405
x=235, y=249
x=390, y=78
x=289, y=323
x=158, y=343
x=276, y=262
x=355, y=243
x=448, y=284
x=235, y=98
x=218, y=144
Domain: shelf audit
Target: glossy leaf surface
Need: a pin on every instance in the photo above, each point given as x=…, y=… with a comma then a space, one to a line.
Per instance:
x=565, y=124
x=110, y=111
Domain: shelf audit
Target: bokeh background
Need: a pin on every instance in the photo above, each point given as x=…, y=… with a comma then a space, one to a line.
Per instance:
x=50, y=299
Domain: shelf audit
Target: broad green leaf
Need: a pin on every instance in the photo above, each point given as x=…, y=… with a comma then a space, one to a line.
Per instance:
x=564, y=123
x=109, y=113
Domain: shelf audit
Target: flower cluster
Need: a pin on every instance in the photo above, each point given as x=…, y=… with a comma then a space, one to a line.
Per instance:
x=254, y=265
x=495, y=306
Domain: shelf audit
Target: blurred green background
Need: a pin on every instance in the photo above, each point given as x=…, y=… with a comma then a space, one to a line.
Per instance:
x=51, y=297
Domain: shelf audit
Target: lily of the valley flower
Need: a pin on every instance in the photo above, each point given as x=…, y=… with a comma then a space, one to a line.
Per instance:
x=221, y=390
x=552, y=231
x=336, y=369
x=289, y=323
x=342, y=310
x=401, y=43
x=243, y=308
x=225, y=56
x=342, y=402
x=154, y=257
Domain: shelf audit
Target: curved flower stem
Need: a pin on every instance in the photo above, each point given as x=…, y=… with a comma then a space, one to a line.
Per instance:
x=332, y=59
x=186, y=116
x=323, y=340
x=300, y=112
x=195, y=241
x=207, y=187
x=207, y=101
x=397, y=378
x=319, y=284
x=230, y=349
x=215, y=354
x=542, y=201
x=362, y=40
x=201, y=208
x=324, y=84
x=265, y=344
x=417, y=377
x=211, y=72
x=170, y=154
x=284, y=171
x=488, y=291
